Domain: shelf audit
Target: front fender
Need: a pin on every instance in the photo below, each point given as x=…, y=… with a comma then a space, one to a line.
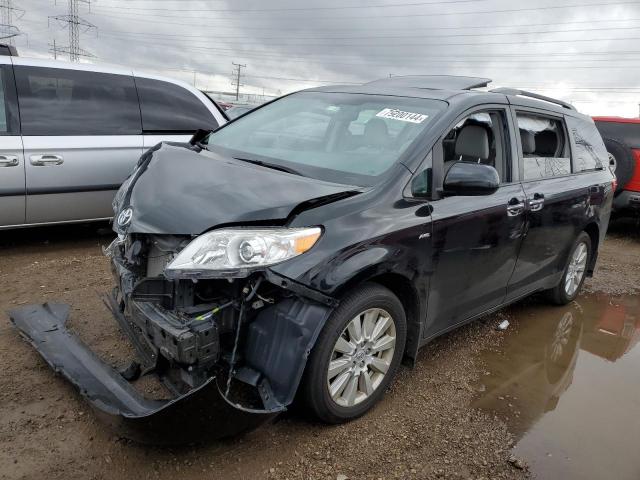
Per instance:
x=279, y=342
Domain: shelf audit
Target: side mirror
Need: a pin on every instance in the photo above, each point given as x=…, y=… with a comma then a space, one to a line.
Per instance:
x=199, y=135
x=466, y=178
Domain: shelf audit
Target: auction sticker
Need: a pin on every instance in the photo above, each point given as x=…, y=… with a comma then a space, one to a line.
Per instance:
x=395, y=114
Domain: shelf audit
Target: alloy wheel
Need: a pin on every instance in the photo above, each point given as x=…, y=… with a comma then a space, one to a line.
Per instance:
x=576, y=268
x=361, y=357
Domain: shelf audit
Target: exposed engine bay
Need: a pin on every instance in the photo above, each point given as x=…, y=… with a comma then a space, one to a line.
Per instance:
x=189, y=330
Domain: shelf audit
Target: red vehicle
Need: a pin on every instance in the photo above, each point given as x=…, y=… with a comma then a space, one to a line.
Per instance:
x=622, y=138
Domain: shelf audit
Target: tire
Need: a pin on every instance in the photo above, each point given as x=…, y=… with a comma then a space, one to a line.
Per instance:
x=378, y=301
x=566, y=291
x=623, y=160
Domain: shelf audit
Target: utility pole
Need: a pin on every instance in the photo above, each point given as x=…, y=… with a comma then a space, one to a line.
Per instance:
x=76, y=25
x=237, y=74
x=55, y=49
x=7, y=29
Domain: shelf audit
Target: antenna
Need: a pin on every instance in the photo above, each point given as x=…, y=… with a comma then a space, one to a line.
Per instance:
x=75, y=25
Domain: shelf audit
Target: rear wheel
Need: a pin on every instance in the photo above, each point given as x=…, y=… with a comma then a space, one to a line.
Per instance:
x=621, y=161
x=574, y=273
x=356, y=355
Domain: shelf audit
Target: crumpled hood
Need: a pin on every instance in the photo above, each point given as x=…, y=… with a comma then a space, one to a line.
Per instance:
x=178, y=190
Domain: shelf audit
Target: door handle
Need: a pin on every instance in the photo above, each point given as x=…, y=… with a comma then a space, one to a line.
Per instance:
x=537, y=202
x=9, y=161
x=45, y=160
x=515, y=207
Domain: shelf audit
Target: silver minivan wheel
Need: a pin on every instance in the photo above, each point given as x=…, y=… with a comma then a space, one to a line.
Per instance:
x=361, y=357
x=576, y=268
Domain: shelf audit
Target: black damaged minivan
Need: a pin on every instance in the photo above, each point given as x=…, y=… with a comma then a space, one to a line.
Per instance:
x=307, y=247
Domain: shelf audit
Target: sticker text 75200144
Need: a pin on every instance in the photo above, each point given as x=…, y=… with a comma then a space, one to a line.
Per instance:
x=396, y=114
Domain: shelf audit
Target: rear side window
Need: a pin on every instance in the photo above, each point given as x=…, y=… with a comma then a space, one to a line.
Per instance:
x=55, y=101
x=544, y=146
x=169, y=108
x=590, y=152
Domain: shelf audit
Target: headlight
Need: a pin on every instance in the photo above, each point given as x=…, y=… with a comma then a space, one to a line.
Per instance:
x=238, y=251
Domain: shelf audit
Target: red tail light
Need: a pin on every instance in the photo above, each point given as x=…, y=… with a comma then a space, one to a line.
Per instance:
x=634, y=183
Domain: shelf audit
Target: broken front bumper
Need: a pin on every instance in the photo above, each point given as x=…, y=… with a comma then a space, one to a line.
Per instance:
x=202, y=413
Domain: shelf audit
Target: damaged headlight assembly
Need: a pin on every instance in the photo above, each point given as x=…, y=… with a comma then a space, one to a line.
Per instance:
x=237, y=252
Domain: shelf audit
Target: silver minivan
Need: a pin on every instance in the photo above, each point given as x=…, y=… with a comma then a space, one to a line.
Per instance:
x=71, y=133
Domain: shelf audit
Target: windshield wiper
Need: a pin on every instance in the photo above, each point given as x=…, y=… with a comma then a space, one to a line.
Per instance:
x=273, y=166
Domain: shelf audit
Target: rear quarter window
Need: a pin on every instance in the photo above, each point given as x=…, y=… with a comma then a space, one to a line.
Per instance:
x=589, y=150
x=169, y=108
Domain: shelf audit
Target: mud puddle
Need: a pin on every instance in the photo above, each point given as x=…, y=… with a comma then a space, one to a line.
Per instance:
x=567, y=383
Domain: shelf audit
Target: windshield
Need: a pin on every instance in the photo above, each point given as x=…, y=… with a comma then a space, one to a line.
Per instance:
x=338, y=137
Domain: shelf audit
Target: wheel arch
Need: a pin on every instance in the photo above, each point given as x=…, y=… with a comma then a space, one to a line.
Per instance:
x=404, y=287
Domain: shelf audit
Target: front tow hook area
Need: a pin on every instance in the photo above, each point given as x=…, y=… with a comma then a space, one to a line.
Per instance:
x=201, y=414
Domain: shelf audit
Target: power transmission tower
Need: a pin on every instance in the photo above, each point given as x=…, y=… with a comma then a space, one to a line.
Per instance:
x=7, y=29
x=236, y=80
x=76, y=25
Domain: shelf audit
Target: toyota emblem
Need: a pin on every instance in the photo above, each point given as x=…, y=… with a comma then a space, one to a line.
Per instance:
x=125, y=216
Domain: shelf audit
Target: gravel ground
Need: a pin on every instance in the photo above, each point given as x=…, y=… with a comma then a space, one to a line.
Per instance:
x=424, y=427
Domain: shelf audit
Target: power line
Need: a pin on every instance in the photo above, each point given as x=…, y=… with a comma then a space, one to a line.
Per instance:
x=372, y=37
x=431, y=62
x=236, y=81
x=385, y=17
x=297, y=9
x=417, y=44
x=355, y=28
x=74, y=24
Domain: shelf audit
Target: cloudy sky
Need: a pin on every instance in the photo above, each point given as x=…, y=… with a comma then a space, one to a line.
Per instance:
x=584, y=51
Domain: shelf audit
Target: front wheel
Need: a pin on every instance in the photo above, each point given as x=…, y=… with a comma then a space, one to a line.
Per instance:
x=574, y=273
x=356, y=355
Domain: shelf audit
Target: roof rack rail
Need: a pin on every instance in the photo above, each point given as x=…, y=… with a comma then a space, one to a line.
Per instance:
x=433, y=82
x=524, y=93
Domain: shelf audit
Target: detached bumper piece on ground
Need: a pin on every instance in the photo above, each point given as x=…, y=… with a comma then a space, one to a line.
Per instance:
x=229, y=370
x=202, y=412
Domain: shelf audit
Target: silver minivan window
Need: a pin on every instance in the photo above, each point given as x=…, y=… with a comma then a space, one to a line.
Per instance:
x=169, y=108
x=57, y=101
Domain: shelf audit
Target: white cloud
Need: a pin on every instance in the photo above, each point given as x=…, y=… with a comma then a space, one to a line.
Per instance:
x=584, y=53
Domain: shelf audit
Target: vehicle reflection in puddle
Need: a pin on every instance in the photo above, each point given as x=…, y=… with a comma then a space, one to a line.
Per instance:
x=567, y=382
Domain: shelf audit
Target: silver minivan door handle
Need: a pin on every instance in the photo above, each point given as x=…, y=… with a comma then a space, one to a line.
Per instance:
x=537, y=202
x=9, y=161
x=515, y=207
x=47, y=159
